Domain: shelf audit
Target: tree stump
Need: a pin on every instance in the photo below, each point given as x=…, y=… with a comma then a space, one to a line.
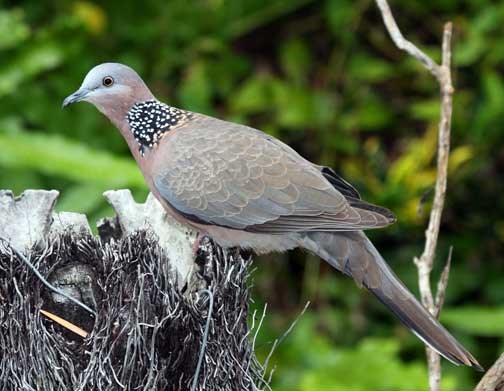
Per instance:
x=151, y=299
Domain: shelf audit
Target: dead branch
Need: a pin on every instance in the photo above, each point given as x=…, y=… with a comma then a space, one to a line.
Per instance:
x=154, y=329
x=494, y=378
x=424, y=264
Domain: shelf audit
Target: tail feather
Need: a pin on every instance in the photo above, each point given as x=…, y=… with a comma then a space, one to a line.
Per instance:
x=353, y=254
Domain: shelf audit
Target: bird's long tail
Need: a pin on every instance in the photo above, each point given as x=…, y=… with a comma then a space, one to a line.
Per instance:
x=353, y=254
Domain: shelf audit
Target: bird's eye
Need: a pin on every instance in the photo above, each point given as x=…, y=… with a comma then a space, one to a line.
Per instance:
x=108, y=81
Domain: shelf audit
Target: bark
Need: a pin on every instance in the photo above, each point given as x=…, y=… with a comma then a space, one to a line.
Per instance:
x=155, y=313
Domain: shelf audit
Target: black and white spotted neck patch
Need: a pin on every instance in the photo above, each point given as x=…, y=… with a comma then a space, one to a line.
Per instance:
x=150, y=119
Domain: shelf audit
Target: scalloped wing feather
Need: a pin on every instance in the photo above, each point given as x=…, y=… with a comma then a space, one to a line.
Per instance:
x=220, y=173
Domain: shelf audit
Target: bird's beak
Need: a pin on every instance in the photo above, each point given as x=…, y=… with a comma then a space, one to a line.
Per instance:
x=77, y=96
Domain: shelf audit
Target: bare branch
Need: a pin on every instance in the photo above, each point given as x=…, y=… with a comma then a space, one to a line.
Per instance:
x=442, y=284
x=424, y=264
x=494, y=378
x=402, y=43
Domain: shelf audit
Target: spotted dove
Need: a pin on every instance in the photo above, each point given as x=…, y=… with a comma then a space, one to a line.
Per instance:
x=245, y=188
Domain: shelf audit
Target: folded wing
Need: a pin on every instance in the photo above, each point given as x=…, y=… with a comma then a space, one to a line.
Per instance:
x=234, y=176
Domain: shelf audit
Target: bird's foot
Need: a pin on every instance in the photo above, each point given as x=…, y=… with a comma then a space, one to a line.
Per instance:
x=199, y=238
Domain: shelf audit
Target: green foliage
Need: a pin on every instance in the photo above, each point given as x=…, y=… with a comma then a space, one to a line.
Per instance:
x=53, y=155
x=373, y=364
x=482, y=321
x=12, y=29
x=325, y=77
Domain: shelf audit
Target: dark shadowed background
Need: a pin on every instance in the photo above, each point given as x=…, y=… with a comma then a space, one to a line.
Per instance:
x=324, y=77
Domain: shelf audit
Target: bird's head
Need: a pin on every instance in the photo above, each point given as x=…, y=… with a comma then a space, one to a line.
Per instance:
x=113, y=88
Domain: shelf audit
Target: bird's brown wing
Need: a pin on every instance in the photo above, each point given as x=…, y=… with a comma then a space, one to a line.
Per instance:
x=219, y=173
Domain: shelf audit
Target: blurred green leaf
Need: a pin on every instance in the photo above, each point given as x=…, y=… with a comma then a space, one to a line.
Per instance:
x=13, y=29
x=295, y=59
x=341, y=14
x=91, y=15
x=33, y=60
x=370, y=69
x=253, y=96
x=459, y=156
x=83, y=198
x=373, y=114
x=196, y=89
x=373, y=365
x=489, y=115
x=427, y=110
x=488, y=19
x=294, y=105
x=470, y=50
x=261, y=16
x=55, y=155
x=476, y=320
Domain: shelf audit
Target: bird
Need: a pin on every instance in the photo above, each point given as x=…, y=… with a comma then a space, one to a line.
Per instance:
x=244, y=188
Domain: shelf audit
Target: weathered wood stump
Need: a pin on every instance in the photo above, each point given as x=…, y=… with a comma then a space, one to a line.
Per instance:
x=152, y=301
